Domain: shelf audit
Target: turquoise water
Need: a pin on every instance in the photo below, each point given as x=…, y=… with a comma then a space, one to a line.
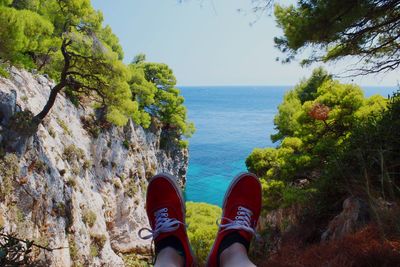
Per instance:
x=230, y=122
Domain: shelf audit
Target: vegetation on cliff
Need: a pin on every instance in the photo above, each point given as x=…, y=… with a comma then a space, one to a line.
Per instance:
x=332, y=142
x=202, y=228
x=66, y=39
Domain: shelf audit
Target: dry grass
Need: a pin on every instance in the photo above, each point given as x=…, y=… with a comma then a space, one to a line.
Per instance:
x=365, y=248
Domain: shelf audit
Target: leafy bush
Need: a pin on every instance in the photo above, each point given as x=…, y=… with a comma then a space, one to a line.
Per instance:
x=316, y=125
x=3, y=72
x=202, y=229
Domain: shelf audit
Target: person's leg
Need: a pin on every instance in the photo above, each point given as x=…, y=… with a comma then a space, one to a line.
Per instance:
x=165, y=209
x=235, y=256
x=241, y=210
x=169, y=257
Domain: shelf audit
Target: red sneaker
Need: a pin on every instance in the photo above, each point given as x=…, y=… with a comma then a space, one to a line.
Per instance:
x=241, y=210
x=165, y=209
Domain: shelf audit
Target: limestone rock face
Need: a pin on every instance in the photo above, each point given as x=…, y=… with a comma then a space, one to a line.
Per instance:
x=353, y=216
x=80, y=182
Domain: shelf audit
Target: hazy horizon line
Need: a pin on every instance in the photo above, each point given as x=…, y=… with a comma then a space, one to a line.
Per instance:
x=280, y=85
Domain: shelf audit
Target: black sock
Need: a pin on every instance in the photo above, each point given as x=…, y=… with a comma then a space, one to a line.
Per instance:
x=170, y=241
x=229, y=239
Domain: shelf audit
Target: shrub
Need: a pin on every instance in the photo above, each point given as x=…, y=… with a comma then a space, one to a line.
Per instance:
x=202, y=229
x=21, y=122
x=86, y=164
x=52, y=133
x=131, y=187
x=40, y=166
x=3, y=72
x=72, y=153
x=183, y=143
x=64, y=126
x=97, y=244
x=89, y=217
x=94, y=250
x=91, y=125
x=126, y=143
x=73, y=250
x=99, y=240
x=9, y=171
x=315, y=125
x=134, y=260
x=71, y=182
x=24, y=98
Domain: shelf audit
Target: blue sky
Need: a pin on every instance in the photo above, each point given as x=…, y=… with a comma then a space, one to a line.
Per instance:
x=209, y=42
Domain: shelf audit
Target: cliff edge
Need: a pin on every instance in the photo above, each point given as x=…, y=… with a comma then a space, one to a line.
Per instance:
x=79, y=184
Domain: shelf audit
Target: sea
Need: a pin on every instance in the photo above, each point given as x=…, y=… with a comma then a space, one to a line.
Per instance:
x=230, y=122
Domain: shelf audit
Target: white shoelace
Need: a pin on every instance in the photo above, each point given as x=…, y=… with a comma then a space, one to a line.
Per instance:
x=242, y=221
x=163, y=224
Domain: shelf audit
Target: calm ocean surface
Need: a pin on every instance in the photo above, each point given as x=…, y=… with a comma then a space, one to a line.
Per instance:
x=230, y=122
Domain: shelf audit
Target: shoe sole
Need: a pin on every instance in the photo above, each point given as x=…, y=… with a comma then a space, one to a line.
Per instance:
x=234, y=181
x=174, y=183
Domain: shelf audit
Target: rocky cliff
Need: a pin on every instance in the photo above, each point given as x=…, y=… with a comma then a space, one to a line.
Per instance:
x=78, y=184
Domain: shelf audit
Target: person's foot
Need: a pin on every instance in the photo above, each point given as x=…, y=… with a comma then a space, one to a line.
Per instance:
x=241, y=210
x=165, y=209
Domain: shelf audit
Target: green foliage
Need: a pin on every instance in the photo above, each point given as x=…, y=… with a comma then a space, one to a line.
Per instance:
x=183, y=143
x=371, y=154
x=316, y=124
x=94, y=251
x=336, y=29
x=202, y=229
x=64, y=126
x=22, y=32
x=73, y=250
x=126, y=143
x=66, y=39
x=9, y=172
x=134, y=260
x=153, y=86
x=21, y=122
x=97, y=244
x=3, y=71
x=286, y=120
x=89, y=217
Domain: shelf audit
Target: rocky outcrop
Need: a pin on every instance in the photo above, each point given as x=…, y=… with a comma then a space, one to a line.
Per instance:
x=355, y=214
x=79, y=185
